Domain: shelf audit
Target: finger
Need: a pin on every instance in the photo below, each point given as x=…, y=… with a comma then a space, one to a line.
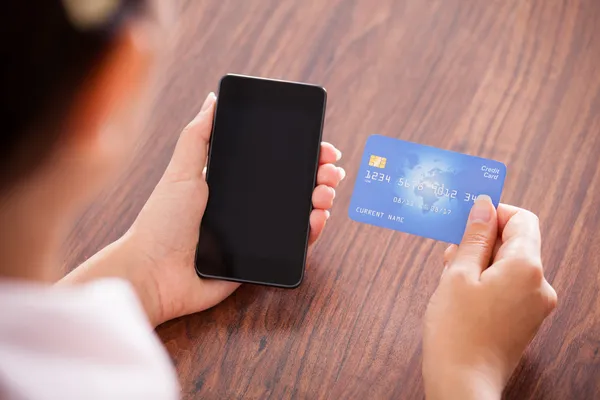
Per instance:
x=189, y=157
x=318, y=219
x=449, y=254
x=505, y=213
x=475, y=250
x=329, y=154
x=323, y=196
x=330, y=175
x=550, y=297
x=521, y=237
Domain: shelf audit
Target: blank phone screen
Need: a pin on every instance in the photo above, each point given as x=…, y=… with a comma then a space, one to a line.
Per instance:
x=261, y=174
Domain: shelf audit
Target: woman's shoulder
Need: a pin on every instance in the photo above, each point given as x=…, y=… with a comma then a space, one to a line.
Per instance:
x=87, y=341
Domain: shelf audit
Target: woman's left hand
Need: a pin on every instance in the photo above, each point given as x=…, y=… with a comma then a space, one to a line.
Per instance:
x=157, y=254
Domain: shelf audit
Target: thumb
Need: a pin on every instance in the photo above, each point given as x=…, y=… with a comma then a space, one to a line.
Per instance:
x=477, y=246
x=189, y=157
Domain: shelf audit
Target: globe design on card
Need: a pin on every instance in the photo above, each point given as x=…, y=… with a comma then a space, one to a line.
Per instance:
x=434, y=179
x=430, y=180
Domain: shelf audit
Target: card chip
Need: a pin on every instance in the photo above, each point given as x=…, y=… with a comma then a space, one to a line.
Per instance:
x=377, y=162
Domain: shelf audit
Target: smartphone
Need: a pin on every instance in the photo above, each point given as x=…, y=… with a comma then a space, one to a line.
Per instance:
x=262, y=168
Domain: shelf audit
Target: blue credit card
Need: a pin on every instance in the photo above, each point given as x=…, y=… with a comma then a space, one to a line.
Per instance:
x=421, y=190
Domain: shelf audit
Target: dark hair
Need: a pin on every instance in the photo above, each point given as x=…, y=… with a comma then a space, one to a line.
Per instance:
x=46, y=56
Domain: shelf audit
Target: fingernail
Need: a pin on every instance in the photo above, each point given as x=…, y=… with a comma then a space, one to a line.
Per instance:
x=482, y=209
x=208, y=102
x=332, y=191
x=338, y=155
x=342, y=173
x=327, y=215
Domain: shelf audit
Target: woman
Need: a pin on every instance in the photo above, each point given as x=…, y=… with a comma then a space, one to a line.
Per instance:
x=72, y=97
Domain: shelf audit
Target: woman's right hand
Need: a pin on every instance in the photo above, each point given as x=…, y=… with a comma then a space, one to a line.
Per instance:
x=491, y=300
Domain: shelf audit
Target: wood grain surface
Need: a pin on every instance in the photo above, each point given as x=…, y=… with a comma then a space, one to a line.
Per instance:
x=513, y=80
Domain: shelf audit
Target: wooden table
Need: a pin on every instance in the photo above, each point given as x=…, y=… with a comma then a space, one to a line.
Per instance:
x=514, y=80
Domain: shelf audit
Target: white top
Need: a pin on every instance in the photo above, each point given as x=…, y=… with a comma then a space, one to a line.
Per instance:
x=79, y=342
